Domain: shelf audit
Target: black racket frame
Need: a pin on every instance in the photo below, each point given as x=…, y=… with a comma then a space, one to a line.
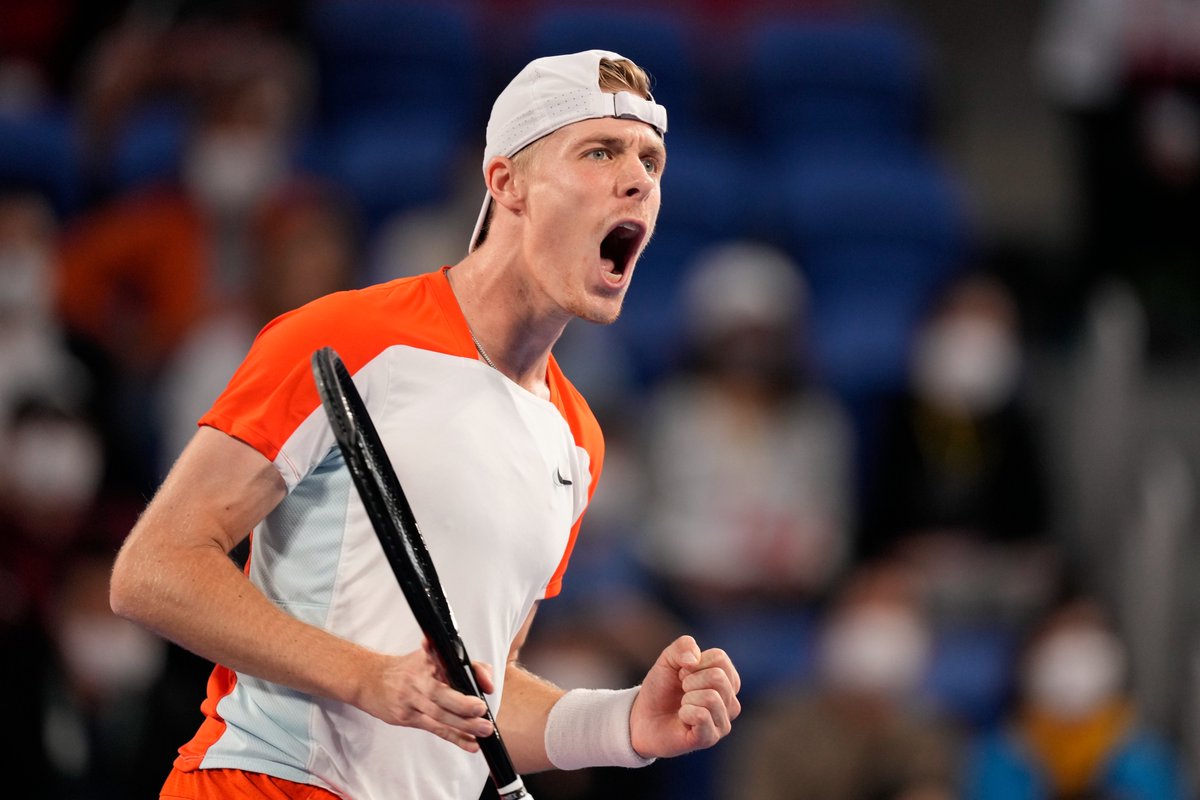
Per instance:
x=397, y=530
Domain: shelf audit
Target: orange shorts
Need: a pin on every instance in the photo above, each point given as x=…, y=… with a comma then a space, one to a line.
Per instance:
x=236, y=784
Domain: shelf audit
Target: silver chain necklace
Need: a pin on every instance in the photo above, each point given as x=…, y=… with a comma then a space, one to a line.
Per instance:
x=486, y=358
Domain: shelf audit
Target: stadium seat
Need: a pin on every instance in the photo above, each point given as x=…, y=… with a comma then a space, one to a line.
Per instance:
x=37, y=152
x=972, y=672
x=651, y=324
x=150, y=145
x=876, y=236
x=841, y=81
x=390, y=163
x=387, y=58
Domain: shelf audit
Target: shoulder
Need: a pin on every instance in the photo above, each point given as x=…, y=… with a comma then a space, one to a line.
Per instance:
x=360, y=323
x=570, y=401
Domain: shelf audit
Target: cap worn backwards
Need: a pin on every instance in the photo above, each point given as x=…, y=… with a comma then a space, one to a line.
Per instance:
x=550, y=93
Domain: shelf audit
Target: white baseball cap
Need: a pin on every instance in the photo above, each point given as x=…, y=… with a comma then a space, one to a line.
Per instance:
x=550, y=93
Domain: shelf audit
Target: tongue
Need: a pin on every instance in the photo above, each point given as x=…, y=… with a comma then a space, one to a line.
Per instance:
x=613, y=251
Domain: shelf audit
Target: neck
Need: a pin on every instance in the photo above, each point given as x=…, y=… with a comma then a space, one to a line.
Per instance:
x=505, y=321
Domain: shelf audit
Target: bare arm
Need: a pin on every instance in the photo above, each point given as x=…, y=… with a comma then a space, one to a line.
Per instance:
x=526, y=706
x=688, y=701
x=173, y=576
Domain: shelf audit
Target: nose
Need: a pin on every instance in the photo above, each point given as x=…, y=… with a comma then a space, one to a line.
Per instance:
x=635, y=181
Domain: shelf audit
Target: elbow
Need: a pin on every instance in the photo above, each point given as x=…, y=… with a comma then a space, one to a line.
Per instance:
x=125, y=590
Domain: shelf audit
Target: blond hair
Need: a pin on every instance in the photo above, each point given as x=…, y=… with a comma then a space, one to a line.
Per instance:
x=622, y=75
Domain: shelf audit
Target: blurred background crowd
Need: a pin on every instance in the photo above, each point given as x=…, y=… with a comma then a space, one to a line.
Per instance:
x=901, y=411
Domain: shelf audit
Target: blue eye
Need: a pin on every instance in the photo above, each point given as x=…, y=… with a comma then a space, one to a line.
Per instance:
x=650, y=164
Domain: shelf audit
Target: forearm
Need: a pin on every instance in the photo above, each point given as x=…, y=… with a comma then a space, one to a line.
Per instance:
x=199, y=599
x=547, y=728
x=522, y=717
x=174, y=576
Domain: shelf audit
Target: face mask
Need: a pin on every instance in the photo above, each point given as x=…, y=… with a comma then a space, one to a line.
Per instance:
x=1074, y=672
x=109, y=653
x=54, y=463
x=877, y=650
x=966, y=364
x=229, y=171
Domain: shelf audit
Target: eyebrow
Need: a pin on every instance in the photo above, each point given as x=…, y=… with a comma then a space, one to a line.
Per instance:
x=620, y=144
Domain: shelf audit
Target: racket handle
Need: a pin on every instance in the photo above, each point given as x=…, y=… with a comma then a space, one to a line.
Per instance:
x=514, y=791
x=504, y=774
x=500, y=765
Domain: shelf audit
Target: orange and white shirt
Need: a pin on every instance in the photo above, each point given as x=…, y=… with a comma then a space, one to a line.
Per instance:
x=498, y=480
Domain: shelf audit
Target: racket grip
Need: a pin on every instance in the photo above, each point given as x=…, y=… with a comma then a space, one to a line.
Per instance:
x=500, y=765
x=514, y=791
x=504, y=774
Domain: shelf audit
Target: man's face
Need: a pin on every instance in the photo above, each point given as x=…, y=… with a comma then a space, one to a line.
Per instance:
x=591, y=201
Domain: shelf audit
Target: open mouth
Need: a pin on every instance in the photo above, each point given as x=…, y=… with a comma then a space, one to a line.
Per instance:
x=620, y=246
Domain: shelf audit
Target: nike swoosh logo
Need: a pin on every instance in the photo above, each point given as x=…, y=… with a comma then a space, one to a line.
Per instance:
x=560, y=480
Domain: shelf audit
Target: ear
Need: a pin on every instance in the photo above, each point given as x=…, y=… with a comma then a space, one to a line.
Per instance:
x=505, y=184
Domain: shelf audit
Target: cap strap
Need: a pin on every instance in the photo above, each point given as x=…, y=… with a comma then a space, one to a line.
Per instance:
x=629, y=105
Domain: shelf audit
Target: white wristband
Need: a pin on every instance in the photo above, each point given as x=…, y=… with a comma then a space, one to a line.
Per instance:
x=590, y=728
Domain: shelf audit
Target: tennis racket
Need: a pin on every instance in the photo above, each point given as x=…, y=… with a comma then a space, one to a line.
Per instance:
x=394, y=523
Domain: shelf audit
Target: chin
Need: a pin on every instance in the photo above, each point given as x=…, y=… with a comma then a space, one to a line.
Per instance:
x=602, y=317
x=600, y=310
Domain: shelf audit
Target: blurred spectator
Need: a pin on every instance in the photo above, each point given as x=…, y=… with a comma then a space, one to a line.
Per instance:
x=34, y=360
x=38, y=49
x=170, y=54
x=95, y=710
x=1126, y=74
x=748, y=457
x=137, y=271
x=48, y=489
x=861, y=732
x=48, y=482
x=1075, y=733
x=303, y=243
x=959, y=485
x=136, y=274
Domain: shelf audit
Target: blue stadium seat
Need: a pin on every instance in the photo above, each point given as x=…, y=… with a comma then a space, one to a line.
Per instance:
x=380, y=57
x=652, y=318
x=390, y=164
x=877, y=237
x=707, y=178
x=37, y=152
x=150, y=145
x=972, y=672
x=841, y=81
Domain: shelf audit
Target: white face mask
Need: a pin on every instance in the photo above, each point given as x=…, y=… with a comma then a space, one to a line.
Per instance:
x=877, y=650
x=109, y=653
x=1074, y=672
x=972, y=365
x=229, y=171
x=55, y=463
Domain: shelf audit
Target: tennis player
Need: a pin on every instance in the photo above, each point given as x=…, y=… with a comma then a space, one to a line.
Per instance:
x=324, y=686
